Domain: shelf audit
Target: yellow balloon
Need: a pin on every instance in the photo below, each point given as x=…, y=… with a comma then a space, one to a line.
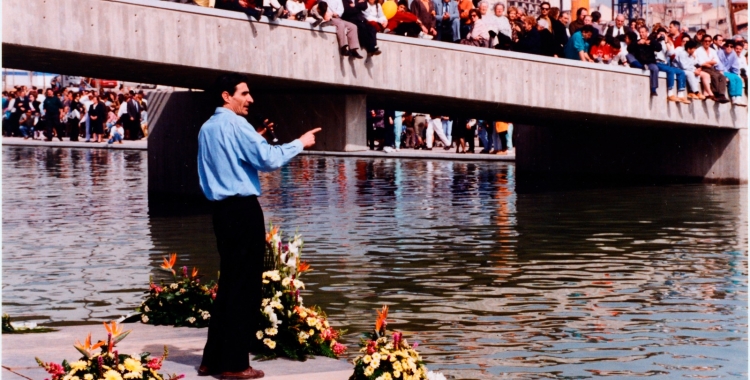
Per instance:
x=389, y=9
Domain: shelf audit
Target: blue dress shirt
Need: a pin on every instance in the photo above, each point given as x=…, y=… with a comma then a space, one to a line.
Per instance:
x=230, y=154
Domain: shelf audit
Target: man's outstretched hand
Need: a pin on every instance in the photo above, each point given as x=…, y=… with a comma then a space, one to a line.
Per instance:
x=308, y=139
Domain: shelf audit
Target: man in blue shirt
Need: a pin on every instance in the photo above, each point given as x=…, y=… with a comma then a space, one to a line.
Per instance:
x=230, y=154
x=578, y=47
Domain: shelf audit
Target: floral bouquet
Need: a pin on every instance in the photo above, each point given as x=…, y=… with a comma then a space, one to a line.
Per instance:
x=184, y=302
x=287, y=327
x=389, y=358
x=108, y=364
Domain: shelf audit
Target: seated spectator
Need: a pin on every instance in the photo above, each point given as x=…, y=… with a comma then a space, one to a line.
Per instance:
x=559, y=31
x=26, y=124
x=546, y=38
x=479, y=34
x=621, y=48
x=730, y=65
x=367, y=34
x=577, y=47
x=708, y=59
x=116, y=134
x=464, y=6
x=619, y=28
x=685, y=60
x=644, y=51
x=296, y=9
x=675, y=35
x=581, y=14
x=499, y=26
x=447, y=21
x=601, y=51
x=529, y=40
x=273, y=10
x=425, y=12
x=595, y=22
x=246, y=6
x=346, y=32
x=699, y=37
x=662, y=62
x=374, y=15
x=405, y=23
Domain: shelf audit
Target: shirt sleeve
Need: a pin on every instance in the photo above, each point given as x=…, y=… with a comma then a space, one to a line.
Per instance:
x=580, y=44
x=256, y=151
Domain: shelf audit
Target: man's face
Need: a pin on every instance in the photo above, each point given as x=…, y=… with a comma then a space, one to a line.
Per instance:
x=707, y=42
x=619, y=21
x=49, y=93
x=584, y=13
x=673, y=30
x=239, y=102
x=483, y=8
x=728, y=49
x=690, y=51
x=402, y=8
x=499, y=10
x=719, y=40
x=586, y=35
x=565, y=19
x=588, y=20
x=643, y=33
x=545, y=10
x=738, y=49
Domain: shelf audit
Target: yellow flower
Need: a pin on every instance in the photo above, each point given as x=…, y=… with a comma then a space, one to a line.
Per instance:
x=112, y=375
x=396, y=373
x=268, y=342
x=312, y=332
x=376, y=356
x=133, y=365
x=259, y=335
x=369, y=371
x=387, y=376
x=88, y=376
x=271, y=331
x=375, y=363
x=397, y=366
x=78, y=365
x=367, y=359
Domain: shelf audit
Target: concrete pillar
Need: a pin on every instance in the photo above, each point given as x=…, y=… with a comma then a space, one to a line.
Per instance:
x=176, y=118
x=700, y=154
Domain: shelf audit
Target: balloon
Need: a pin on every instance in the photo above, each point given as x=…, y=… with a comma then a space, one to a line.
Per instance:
x=389, y=9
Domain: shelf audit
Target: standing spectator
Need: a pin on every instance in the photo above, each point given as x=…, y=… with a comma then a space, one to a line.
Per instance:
x=367, y=34
x=685, y=60
x=644, y=51
x=578, y=45
x=708, y=59
x=374, y=15
x=544, y=14
x=133, y=118
x=52, y=108
x=447, y=21
x=458, y=134
x=435, y=127
x=742, y=59
x=579, y=22
x=413, y=140
x=376, y=127
x=663, y=56
x=86, y=102
x=405, y=23
x=464, y=6
x=479, y=34
x=559, y=31
x=546, y=39
x=730, y=66
x=97, y=117
x=500, y=137
x=346, y=32
x=425, y=12
x=73, y=120
x=595, y=22
x=619, y=28
x=674, y=33
x=565, y=20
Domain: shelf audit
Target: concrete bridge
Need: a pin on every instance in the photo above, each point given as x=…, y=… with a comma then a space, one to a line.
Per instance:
x=571, y=117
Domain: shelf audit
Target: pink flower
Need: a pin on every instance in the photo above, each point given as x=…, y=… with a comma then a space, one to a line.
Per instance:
x=339, y=349
x=371, y=347
x=415, y=345
x=56, y=370
x=397, y=338
x=184, y=271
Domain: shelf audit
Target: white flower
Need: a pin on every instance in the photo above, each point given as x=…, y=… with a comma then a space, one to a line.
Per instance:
x=294, y=247
x=299, y=284
x=268, y=342
x=302, y=336
x=191, y=319
x=278, y=295
x=271, y=331
x=146, y=309
x=292, y=262
x=174, y=286
x=265, y=302
x=144, y=318
x=259, y=335
x=286, y=281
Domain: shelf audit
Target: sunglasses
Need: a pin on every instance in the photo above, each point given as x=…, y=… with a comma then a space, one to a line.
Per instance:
x=545, y=9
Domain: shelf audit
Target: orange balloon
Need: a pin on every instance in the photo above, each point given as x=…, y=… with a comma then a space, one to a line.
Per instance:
x=389, y=9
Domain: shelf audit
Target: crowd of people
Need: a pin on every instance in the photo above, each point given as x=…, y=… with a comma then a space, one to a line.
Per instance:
x=84, y=113
x=703, y=66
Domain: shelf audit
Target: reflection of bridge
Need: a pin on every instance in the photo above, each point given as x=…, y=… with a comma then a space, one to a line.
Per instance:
x=299, y=78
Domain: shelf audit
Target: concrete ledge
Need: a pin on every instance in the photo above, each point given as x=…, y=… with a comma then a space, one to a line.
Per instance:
x=185, y=352
x=66, y=143
x=435, y=154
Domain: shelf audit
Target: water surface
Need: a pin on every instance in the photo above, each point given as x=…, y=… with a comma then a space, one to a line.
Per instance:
x=577, y=283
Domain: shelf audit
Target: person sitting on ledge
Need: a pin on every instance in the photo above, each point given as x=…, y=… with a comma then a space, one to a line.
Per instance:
x=405, y=23
x=425, y=12
x=346, y=32
x=296, y=9
x=479, y=34
x=529, y=41
x=367, y=34
x=374, y=15
x=246, y=6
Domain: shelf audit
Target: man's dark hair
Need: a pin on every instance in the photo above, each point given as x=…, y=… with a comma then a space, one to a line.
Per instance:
x=543, y=3
x=227, y=82
x=706, y=36
x=717, y=36
x=643, y=27
x=632, y=37
x=729, y=43
x=692, y=44
x=675, y=23
x=322, y=8
x=595, y=16
x=131, y=92
x=587, y=29
x=404, y=3
x=579, y=11
x=661, y=29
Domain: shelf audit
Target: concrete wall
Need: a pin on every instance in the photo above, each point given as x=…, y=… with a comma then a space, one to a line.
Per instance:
x=702, y=154
x=183, y=45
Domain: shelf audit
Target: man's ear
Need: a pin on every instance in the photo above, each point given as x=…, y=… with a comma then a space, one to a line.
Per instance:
x=226, y=96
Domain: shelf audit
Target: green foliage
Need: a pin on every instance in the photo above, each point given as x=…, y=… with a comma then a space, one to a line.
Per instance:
x=183, y=302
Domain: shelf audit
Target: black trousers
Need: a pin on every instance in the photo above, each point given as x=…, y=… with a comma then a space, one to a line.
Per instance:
x=52, y=123
x=410, y=29
x=367, y=34
x=240, y=237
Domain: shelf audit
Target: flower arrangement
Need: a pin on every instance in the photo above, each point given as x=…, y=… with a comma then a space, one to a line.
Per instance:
x=388, y=358
x=108, y=364
x=22, y=328
x=184, y=302
x=287, y=327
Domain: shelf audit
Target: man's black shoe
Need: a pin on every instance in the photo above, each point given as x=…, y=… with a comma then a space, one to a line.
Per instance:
x=345, y=51
x=355, y=54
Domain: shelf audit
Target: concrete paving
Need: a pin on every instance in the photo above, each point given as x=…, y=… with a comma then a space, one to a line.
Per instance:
x=185, y=351
x=435, y=154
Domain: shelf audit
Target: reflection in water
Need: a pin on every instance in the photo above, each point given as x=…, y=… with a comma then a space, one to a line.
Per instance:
x=578, y=283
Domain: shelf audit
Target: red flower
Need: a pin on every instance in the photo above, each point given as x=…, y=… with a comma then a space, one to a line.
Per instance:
x=339, y=349
x=154, y=364
x=371, y=347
